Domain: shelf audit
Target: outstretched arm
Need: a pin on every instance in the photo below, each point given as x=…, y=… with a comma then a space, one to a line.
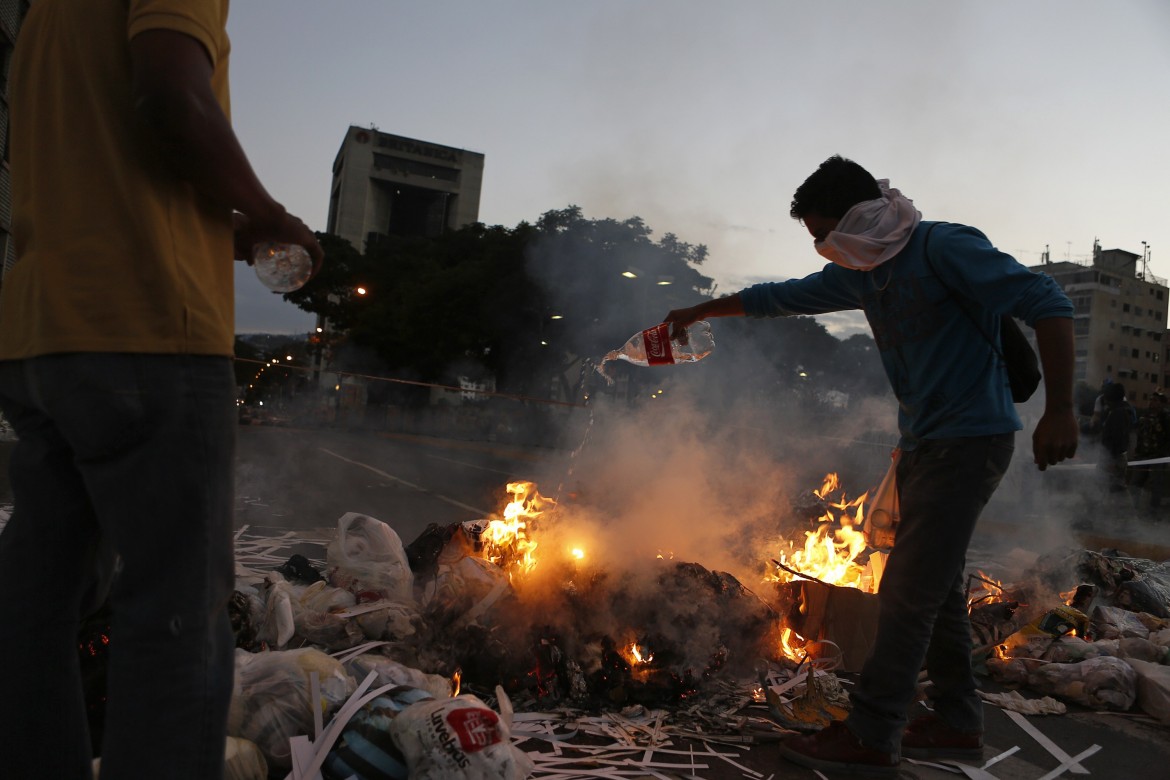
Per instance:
x=679, y=319
x=1055, y=437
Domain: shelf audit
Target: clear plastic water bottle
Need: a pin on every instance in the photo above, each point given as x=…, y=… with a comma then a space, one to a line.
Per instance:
x=654, y=347
x=282, y=267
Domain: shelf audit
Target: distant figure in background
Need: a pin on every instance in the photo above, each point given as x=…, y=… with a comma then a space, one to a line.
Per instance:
x=934, y=294
x=1116, y=427
x=1151, y=442
x=116, y=341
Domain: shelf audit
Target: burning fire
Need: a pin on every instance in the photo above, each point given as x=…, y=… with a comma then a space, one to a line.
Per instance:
x=509, y=541
x=982, y=589
x=829, y=552
x=639, y=655
x=788, y=648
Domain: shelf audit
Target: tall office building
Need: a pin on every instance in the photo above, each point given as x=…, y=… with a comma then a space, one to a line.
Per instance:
x=12, y=13
x=1119, y=319
x=386, y=184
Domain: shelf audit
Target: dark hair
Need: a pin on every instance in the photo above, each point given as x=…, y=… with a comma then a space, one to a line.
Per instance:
x=834, y=188
x=1114, y=393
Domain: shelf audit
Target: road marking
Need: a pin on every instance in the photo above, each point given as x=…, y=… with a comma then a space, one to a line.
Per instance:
x=419, y=488
x=473, y=466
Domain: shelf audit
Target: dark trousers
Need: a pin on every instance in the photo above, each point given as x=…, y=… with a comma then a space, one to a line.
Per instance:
x=129, y=453
x=943, y=485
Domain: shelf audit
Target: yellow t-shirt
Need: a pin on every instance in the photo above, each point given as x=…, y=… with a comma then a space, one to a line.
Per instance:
x=114, y=253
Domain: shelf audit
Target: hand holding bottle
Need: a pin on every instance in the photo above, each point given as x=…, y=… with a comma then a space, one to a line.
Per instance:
x=282, y=268
x=681, y=319
x=281, y=241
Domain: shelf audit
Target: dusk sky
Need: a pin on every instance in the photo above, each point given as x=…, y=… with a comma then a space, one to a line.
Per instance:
x=1042, y=123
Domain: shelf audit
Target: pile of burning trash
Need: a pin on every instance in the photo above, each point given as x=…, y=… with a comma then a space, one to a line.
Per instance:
x=512, y=607
x=388, y=638
x=387, y=660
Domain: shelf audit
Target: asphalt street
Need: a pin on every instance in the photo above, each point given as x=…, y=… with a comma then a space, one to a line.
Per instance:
x=301, y=479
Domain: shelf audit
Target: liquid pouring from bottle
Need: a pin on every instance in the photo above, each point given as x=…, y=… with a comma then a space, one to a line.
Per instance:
x=654, y=347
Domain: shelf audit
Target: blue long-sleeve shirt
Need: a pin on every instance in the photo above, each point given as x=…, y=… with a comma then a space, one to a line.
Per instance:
x=948, y=380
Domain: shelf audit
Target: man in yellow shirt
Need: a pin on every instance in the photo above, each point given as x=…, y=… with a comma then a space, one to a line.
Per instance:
x=131, y=195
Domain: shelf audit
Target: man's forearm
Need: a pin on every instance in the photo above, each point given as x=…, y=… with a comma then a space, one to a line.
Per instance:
x=727, y=306
x=173, y=97
x=1054, y=337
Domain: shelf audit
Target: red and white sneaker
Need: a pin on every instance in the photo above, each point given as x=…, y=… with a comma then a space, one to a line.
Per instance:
x=836, y=749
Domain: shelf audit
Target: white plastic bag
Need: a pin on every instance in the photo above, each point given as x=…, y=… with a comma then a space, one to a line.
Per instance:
x=367, y=559
x=390, y=672
x=272, y=701
x=1153, y=689
x=307, y=611
x=458, y=739
x=1103, y=683
x=242, y=760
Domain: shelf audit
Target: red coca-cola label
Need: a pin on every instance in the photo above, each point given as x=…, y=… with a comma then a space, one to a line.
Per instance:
x=657, y=343
x=476, y=728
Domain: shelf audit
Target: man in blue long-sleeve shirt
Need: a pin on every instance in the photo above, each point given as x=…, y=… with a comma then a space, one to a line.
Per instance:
x=934, y=294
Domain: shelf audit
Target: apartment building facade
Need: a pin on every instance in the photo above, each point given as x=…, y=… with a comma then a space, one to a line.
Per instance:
x=1119, y=320
x=386, y=184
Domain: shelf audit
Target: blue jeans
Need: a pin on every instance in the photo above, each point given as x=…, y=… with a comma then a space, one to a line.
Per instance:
x=943, y=485
x=131, y=453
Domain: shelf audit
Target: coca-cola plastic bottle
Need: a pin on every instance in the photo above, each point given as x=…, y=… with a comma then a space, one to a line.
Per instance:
x=654, y=347
x=282, y=267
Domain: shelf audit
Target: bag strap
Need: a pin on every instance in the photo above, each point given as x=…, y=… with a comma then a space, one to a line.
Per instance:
x=953, y=296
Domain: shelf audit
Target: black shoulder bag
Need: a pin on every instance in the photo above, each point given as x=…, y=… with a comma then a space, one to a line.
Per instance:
x=1023, y=369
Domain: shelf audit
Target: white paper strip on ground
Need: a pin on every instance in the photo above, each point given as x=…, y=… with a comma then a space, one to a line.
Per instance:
x=1045, y=742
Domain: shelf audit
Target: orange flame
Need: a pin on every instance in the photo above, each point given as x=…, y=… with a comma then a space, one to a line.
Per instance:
x=636, y=655
x=829, y=551
x=790, y=649
x=984, y=589
x=508, y=542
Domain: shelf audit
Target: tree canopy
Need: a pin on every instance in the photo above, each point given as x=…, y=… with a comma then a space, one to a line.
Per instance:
x=527, y=304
